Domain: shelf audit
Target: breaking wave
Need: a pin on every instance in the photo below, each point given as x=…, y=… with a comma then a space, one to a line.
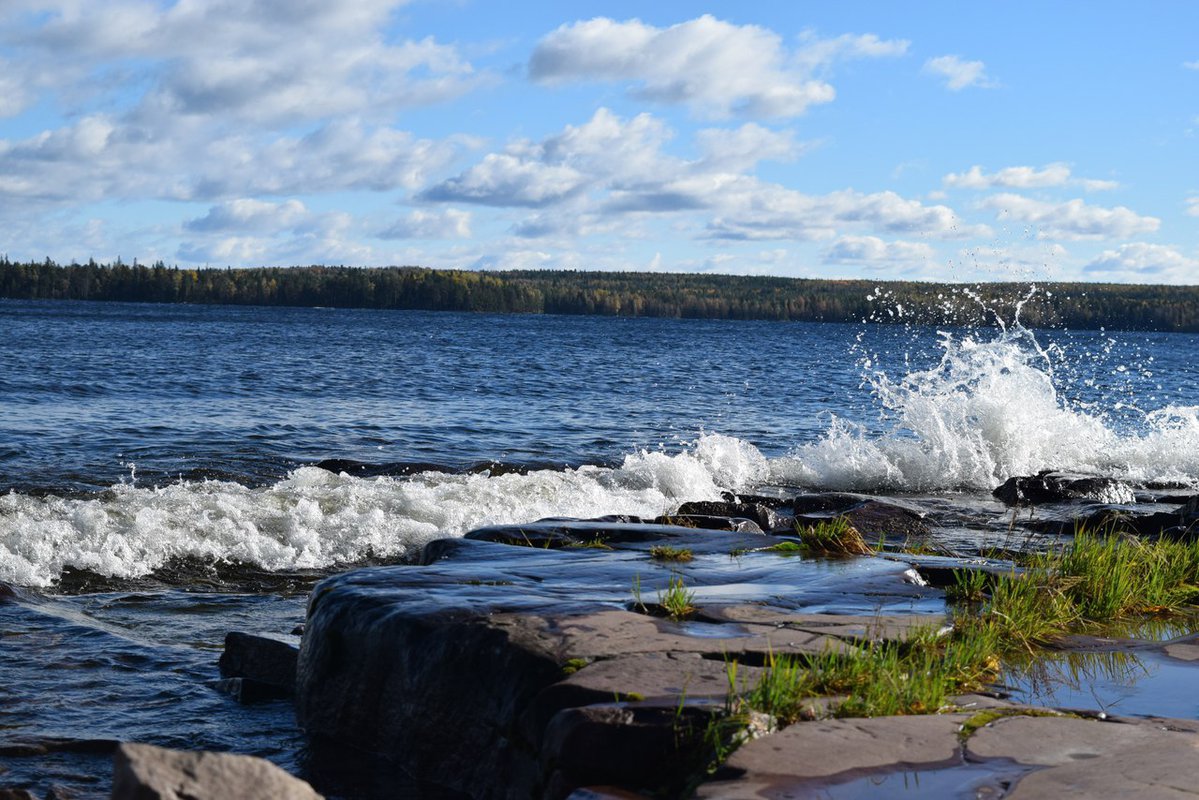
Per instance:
x=316, y=519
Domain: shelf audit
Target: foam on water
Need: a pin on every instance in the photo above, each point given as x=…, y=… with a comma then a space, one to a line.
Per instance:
x=316, y=519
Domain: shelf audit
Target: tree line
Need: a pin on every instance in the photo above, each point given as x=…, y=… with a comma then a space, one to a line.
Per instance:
x=637, y=294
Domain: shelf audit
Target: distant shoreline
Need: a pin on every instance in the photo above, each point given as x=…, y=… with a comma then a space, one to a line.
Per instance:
x=1077, y=306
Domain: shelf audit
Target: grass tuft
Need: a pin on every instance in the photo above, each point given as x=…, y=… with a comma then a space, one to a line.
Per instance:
x=676, y=599
x=834, y=537
x=662, y=552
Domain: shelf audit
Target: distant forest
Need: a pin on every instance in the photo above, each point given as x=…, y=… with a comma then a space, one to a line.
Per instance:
x=634, y=294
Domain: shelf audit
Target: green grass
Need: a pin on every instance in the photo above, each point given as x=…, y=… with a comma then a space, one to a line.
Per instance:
x=834, y=537
x=662, y=552
x=1092, y=580
x=676, y=600
x=785, y=548
x=590, y=544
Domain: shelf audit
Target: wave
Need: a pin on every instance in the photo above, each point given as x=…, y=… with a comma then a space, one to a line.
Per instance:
x=316, y=519
x=988, y=410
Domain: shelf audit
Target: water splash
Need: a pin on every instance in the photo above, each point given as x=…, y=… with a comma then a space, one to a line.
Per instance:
x=991, y=407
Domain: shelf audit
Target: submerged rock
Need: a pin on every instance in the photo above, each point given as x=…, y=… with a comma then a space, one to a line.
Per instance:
x=145, y=772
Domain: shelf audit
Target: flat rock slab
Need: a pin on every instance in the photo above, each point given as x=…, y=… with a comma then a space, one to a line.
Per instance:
x=809, y=756
x=1022, y=755
x=1086, y=758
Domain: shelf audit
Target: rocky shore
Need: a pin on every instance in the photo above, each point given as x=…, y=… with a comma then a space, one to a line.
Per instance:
x=621, y=657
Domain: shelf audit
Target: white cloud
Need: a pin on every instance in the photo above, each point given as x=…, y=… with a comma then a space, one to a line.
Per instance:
x=1193, y=206
x=248, y=214
x=959, y=74
x=261, y=60
x=1191, y=64
x=716, y=68
x=220, y=99
x=875, y=251
x=101, y=158
x=1144, y=263
x=742, y=148
x=449, y=223
x=1057, y=174
x=753, y=211
x=535, y=175
x=1073, y=219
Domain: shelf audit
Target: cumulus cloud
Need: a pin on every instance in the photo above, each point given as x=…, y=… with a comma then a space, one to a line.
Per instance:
x=449, y=223
x=1146, y=263
x=535, y=175
x=248, y=214
x=958, y=73
x=1057, y=174
x=1073, y=219
x=611, y=169
x=716, y=68
x=739, y=149
x=779, y=213
x=216, y=99
x=873, y=250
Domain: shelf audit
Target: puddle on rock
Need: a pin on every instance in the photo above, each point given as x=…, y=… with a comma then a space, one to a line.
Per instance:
x=982, y=780
x=1138, y=683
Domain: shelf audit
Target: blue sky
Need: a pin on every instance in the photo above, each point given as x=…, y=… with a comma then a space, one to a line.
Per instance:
x=938, y=141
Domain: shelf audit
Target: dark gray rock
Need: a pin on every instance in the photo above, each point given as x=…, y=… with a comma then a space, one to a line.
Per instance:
x=638, y=747
x=766, y=516
x=1062, y=487
x=268, y=663
x=145, y=772
x=877, y=521
x=559, y=533
x=710, y=522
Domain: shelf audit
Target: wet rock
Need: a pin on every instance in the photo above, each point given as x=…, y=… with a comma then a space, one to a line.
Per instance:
x=766, y=516
x=557, y=533
x=248, y=690
x=710, y=522
x=823, y=502
x=145, y=772
x=260, y=666
x=16, y=794
x=876, y=521
x=1062, y=487
x=456, y=679
x=809, y=756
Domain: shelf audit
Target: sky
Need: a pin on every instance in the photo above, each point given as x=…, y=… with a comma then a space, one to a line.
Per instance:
x=939, y=141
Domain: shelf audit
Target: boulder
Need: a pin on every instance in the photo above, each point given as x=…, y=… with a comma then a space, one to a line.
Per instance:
x=767, y=517
x=145, y=772
x=876, y=521
x=260, y=667
x=1063, y=487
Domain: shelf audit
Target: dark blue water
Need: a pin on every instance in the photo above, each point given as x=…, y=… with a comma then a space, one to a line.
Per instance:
x=145, y=449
